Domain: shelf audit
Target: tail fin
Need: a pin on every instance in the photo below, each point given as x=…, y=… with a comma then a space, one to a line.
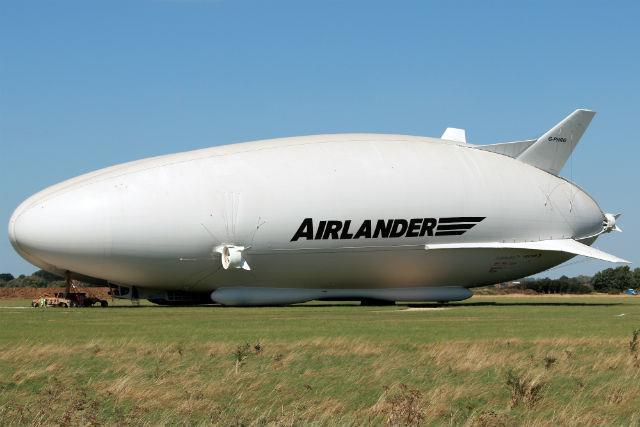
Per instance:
x=551, y=151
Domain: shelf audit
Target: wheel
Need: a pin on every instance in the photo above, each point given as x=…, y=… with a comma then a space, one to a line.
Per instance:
x=34, y=304
x=63, y=305
x=103, y=303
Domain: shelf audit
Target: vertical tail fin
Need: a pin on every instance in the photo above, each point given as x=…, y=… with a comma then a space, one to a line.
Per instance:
x=551, y=151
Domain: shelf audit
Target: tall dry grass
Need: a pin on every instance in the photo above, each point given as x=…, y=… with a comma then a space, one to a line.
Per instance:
x=322, y=381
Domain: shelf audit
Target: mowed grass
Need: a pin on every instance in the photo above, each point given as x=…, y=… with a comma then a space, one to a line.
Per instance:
x=488, y=361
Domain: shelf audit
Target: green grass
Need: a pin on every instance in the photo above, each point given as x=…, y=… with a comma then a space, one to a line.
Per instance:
x=487, y=361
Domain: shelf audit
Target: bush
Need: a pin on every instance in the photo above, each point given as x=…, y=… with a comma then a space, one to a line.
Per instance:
x=46, y=276
x=26, y=282
x=6, y=277
x=562, y=285
x=614, y=280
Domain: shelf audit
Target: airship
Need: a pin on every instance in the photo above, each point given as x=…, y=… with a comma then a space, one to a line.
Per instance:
x=369, y=217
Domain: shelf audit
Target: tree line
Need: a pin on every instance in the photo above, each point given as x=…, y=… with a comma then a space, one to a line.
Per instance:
x=39, y=279
x=611, y=280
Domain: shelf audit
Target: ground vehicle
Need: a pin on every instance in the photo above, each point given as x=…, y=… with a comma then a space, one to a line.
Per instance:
x=68, y=299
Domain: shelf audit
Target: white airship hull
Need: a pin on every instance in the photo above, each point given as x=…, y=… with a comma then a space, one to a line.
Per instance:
x=328, y=212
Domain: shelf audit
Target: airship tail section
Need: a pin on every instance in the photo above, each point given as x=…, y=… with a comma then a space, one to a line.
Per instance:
x=551, y=151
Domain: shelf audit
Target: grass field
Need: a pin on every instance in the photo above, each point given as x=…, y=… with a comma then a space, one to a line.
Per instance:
x=490, y=361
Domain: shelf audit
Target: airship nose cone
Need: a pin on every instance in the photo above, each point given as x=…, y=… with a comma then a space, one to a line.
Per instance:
x=56, y=230
x=12, y=228
x=23, y=233
x=32, y=228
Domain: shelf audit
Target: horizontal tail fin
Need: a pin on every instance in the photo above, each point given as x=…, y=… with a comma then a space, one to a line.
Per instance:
x=511, y=149
x=551, y=151
x=559, y=245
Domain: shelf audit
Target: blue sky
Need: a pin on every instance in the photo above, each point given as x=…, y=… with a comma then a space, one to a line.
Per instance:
x=88, y=84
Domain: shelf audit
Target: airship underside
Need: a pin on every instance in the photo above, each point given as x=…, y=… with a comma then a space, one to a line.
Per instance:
x=346, y=216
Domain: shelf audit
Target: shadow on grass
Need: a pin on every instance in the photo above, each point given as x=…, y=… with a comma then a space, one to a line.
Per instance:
x=516, y=303
x=208, y=306
x=352, y=304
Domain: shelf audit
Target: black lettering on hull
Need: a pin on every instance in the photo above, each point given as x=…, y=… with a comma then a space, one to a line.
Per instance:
x=386, y=228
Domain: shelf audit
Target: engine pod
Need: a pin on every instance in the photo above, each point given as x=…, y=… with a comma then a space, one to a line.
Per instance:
x=231, y=257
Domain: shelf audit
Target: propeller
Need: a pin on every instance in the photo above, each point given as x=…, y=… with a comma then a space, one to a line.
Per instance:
x=231, y=256
x=609, y=223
